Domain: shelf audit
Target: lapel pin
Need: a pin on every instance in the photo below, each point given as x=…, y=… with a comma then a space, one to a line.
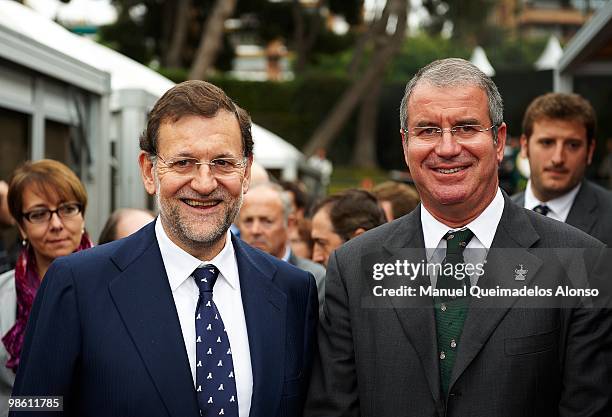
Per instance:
x=520, y=274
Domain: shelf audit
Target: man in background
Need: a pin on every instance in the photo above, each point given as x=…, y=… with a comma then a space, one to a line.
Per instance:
x=559, y=140
x=341, y=217
x=123, y=222
x=396, y=198
x=264, y=222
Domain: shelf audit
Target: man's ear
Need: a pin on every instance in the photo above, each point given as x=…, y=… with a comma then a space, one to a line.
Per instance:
x=358, y=232
x=524, y=146
x=291, y=221
x=146, y=172
x=591, y=151
x=247, y=175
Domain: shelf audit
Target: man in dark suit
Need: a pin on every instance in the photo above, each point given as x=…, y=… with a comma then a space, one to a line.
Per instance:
x=386, y=349
x=264, y=221
x=181, y=318
x=559, y=140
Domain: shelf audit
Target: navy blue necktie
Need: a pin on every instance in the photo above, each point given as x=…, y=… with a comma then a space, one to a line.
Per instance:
x=542, y=209
x=215, y=382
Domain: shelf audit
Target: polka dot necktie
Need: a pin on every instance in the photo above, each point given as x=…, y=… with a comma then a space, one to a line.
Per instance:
x=215, y=382
x=541, y=209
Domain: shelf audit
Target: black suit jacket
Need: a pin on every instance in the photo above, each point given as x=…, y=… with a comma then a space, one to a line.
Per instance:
x=591, y=211
x=379, y=357
x=104, y=333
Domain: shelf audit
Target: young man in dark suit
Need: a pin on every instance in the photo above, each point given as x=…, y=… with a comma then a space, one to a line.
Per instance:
x=386, y=349
x=559, y=140
x=181, y=318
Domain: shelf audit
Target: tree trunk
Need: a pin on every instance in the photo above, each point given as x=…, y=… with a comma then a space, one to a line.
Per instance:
x=304, y=41
x=364, y=152
x=211, y=39
x=178, y=34
x=325, y=134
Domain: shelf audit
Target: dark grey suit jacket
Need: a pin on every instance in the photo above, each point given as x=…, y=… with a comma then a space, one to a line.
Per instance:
x=318, y=271
x=381, y=360
x=591, y=211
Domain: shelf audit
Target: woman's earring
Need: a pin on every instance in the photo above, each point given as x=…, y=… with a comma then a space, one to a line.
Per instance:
x=24, y=242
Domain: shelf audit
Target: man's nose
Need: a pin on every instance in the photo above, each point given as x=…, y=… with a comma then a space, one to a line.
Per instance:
x=203, y=181
x=558, y=156
x=447, y=146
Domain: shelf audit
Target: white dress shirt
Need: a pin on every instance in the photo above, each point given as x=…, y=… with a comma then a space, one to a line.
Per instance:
x=226, y=296
x=559, y=207
x=484, y=227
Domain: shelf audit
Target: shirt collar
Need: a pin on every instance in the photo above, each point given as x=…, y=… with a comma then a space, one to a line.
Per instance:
x=287, y=253
x=180, y=264
x=560, y=206
x=484, y=226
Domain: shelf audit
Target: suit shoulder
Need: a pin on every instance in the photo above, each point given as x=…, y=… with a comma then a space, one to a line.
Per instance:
x=603, y=195
x=557, y=234
x=518, y=197
x=309, y=266
x=285, y=272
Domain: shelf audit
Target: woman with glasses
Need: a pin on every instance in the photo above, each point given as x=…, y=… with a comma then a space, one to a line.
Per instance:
x=48, y=202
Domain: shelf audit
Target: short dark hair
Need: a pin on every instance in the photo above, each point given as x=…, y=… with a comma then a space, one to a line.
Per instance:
x=403, y=198
x=561, y=106
x=193, y=98
x=300, y=197
x=350, y=210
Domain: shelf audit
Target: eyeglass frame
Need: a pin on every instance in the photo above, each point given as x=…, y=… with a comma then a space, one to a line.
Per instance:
x=26, y=214
x=452, y=130
x=239, y=166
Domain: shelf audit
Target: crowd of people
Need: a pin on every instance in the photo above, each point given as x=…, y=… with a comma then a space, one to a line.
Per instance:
x=241, y=296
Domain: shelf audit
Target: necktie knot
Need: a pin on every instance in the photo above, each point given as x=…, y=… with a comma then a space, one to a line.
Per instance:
x=542, y=209
x=457, y=241
x=205, y=277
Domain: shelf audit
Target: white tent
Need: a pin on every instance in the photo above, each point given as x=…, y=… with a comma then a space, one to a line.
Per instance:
x=550, y=56
x=479, y=58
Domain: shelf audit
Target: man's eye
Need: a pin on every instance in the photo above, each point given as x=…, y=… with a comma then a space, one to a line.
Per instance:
x=223, y=163
x=183, y=163
x=465, y=129
x=427, y=131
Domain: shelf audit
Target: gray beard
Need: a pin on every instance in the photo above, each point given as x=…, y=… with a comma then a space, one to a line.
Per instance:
x=189, y=236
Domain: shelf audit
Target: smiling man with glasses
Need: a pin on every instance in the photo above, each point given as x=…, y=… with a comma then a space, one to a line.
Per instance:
x=181, y=318
x=391, y=347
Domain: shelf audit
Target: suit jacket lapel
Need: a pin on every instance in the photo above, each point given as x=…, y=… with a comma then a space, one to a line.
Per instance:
x=265, y=313
x=144, y=300
x=582, y=214
x=508, y=252
x=416, y=314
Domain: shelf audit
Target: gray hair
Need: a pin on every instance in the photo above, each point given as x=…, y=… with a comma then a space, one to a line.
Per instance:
x=455, y=72
x=282, y=195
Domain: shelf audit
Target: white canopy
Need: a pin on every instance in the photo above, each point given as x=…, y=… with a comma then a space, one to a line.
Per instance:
x=479, y=58
x=550, y=56
x=125, y=72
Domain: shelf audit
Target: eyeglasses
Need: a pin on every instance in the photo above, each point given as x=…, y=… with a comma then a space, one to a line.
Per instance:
x=65, y=211
x=460, y=132
x=219, y=167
